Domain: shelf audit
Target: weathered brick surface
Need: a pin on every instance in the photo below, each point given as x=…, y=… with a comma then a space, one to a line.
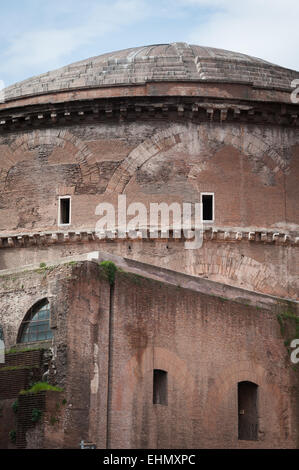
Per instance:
x=107, y=343
x=252, y=170
x=23, y=358
x=161, y=123
x=19, y=371
x=7, y=423
x=27, y=404
x=13, y=381
x=48, y=432
x=207, y=345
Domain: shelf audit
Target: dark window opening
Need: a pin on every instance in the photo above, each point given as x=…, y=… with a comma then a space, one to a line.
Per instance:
x=247, y=411
x=65, y=211
x=160, y=387
x=2, y=347
x=36, y=326
x=207, y=207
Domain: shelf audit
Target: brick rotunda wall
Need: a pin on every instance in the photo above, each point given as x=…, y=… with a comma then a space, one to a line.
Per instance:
x=251, y=169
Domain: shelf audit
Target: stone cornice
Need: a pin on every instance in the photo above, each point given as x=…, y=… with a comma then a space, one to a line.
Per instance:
x=40, y=239
x=177, y=108
x=145, y=89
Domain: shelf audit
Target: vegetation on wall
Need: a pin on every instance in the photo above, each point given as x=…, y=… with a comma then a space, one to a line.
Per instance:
x=15, y=406
x=12, y=368
x=41, y=387
x=109, y=270
x=21, y=350
x=36, y=415
x=289, y=328
x=284, y=318
x=13, y=436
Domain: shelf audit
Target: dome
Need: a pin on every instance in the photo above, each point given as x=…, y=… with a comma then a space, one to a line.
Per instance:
x=157, y=63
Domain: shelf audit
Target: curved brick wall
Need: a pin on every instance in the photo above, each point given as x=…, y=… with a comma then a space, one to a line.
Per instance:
x=252, y=171
x=161, y=123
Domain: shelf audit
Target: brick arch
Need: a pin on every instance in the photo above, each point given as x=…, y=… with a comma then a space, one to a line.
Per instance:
x=272, y=413
x=163, y=140
x=217, y=136
x=224, y=385
x=247, y=143
x=84, y=156
x=143, y=362
x=224, y=265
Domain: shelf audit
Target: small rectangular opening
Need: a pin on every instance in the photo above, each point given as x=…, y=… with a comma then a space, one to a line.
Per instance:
x=160, y=387
x=65, y=211
x=207, y=201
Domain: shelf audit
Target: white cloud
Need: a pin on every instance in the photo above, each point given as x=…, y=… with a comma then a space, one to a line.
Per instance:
x=267, y=29
x=40, y=47
x=61, y=31
x=48, y=47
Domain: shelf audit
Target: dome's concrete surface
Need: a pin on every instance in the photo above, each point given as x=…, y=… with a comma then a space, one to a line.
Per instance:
x=162, y=62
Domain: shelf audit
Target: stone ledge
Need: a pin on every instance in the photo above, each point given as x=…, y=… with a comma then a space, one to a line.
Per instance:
x=194, y=108
x=217, y=235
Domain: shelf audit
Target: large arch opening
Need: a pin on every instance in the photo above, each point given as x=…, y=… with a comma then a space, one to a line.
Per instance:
x=36, y=324
x=247, y=411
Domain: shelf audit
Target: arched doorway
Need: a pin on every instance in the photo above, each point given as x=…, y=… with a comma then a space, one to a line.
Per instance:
x=248, y=411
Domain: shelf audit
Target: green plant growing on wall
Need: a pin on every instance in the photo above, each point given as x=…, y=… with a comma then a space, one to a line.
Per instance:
x=15, y=406
x=53, y=420
x=136, y=278
x=224, y=299
x=20, y=350
x=14, y=368
x=44, y=269
x=110, y=270
x=13, y=436
x=41, y=387
x=284, y=319
x=36, y=415
x=72, y=263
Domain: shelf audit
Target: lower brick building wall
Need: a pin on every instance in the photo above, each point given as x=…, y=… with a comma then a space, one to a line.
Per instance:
x=108, y=340
x=207, y=345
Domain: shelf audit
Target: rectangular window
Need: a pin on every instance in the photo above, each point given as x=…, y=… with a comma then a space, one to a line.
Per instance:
x=207, y=201
x=160, y=387
x=64, y=210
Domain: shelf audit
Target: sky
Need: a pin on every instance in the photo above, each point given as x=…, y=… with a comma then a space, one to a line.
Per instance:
x=41, y=35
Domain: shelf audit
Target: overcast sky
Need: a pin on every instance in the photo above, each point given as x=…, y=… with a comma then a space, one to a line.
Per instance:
x=41, y=35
